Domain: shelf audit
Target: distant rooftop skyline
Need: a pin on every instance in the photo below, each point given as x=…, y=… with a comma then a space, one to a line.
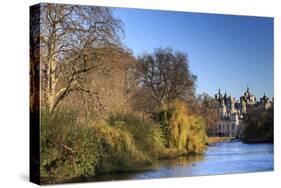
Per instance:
x=242, y=94
x=224, y=51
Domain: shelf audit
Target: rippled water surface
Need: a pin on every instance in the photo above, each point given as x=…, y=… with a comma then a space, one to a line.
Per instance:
x=221, y=158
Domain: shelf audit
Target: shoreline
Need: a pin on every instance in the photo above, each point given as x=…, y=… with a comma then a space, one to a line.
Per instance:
x=216, y=139
x=168, y=156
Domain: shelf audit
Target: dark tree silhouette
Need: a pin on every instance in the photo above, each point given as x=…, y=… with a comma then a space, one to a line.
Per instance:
x=167, y=75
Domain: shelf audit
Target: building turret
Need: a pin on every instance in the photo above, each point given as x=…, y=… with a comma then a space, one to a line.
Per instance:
x=225, y=96
x=264, y=99
x=218, y=96
x=222, y=109
x=243, y=106
x=249, y=98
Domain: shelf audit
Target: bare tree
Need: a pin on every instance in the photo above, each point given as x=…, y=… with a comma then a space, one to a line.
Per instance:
x=73, y=41
x=207, y=107
x=167, y=74
x=111, y=86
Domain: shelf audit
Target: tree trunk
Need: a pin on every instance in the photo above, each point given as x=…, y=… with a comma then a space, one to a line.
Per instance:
x=51, y=85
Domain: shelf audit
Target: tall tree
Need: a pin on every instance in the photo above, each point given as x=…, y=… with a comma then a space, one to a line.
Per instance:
x=259, y=126
x=207, y=107
x=73, y=41
x=167, y=75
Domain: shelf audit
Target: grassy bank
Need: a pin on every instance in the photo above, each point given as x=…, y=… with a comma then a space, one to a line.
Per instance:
x=215, y=139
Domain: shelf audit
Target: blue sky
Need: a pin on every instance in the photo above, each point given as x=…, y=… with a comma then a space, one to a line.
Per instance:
x=224, y=51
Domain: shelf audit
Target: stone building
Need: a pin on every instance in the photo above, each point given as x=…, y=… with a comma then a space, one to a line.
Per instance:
x=232, y=112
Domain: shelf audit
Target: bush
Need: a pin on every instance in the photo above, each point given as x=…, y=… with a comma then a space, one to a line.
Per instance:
x=148, y=136
x=67, y=149
x=70, y=150
x=118, y=149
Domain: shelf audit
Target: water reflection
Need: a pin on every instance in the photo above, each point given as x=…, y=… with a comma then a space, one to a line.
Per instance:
x=180, y=161
x=172, y=167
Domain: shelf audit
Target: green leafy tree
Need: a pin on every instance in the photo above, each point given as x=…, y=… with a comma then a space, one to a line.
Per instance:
x=259, y=126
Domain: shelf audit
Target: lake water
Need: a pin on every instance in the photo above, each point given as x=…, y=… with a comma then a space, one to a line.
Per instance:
x=222, y=158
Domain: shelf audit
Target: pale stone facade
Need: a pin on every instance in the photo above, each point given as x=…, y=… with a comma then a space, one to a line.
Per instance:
x=232, y=112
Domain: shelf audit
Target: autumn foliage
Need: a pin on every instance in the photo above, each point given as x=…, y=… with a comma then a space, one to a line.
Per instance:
x=183, y=130
x=102, y=109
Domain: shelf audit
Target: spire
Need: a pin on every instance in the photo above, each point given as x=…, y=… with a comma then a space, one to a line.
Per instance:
x=265, y=98
x=225, y=95
x=247, y=93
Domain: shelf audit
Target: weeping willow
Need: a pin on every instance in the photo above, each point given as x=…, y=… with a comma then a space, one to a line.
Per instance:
x=183, y=131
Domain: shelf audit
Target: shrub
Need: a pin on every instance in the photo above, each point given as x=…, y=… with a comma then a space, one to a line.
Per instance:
x=118, y=149
x=148, y=136
x=67, y=149
x=70, y=150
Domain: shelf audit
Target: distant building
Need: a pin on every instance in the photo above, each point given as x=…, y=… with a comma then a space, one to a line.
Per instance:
x=232, y=112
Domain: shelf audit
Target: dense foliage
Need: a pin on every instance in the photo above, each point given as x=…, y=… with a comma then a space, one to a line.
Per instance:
x=70, y=149
x=259, y=127
x=67, y=148
x=182, y=131
x=148, y=135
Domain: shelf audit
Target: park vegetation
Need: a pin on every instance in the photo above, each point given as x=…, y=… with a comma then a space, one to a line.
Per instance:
x=102, y=109
x=259, y=126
